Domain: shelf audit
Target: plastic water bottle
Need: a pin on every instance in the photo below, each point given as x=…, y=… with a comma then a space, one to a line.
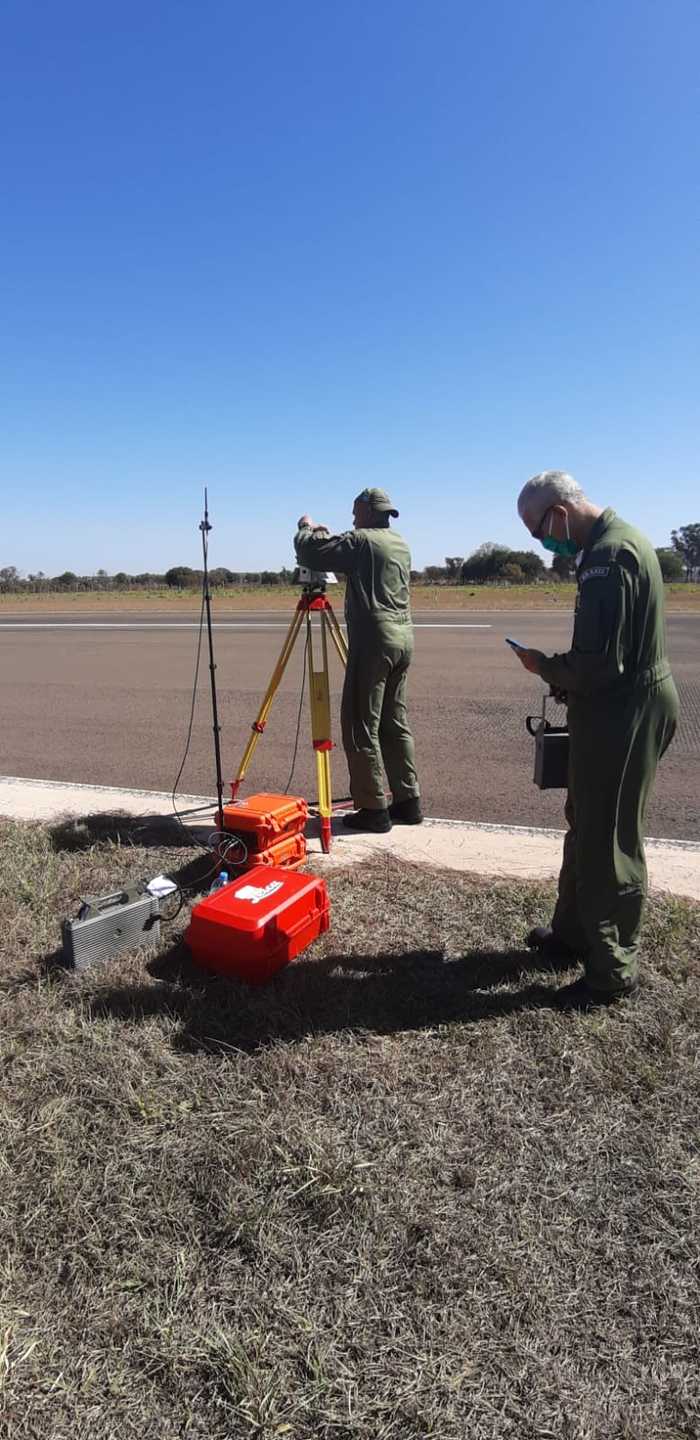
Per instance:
x=221, y=880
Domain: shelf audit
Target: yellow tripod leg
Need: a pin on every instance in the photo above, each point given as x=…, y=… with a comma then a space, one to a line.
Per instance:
x=319, y=695
x=337, y=635
x=323, y=779
x=261, y=719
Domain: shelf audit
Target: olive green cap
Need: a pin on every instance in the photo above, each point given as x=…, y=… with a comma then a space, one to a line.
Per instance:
x=379, y=500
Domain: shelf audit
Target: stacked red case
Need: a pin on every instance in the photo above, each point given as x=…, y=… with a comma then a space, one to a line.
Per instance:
x=253, y=927
x=289, y=852
x=271, y=828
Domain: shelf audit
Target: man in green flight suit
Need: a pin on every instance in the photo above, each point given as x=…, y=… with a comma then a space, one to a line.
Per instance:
x=374, y=724
x=623, y=710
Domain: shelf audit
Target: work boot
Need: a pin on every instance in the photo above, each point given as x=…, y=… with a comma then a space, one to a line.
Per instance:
x=406, y=812
x=546, y=943
x=374, y=822
x=580, y=995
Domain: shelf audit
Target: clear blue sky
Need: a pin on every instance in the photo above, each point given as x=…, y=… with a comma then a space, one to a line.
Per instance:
x=292, y=249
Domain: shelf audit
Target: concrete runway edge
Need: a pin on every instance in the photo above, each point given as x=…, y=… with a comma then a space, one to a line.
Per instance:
x=505, y=851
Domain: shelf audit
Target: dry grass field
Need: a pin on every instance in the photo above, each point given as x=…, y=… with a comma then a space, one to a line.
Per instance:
x=553, y=596
x=396, y=1194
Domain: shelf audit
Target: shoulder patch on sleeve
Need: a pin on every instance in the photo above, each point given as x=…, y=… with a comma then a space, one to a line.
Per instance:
x=597, y=572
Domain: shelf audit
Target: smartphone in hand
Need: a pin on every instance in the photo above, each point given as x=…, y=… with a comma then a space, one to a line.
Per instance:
x=515, y=644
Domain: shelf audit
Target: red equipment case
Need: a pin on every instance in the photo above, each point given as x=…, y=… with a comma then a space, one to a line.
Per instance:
x=289, y=852
x=252, y=927
x=263, y=819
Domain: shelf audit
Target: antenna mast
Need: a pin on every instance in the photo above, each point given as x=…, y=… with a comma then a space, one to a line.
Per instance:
x=205, y=527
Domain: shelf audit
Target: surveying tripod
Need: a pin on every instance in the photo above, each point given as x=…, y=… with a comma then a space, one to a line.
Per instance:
x=313, y=601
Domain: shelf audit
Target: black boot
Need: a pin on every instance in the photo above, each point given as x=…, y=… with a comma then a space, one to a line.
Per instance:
x=547, y=943
x=374, y=822
x=406, y=812
x=581, y=996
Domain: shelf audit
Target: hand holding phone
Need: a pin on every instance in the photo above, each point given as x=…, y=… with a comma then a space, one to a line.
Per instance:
x=531, y=660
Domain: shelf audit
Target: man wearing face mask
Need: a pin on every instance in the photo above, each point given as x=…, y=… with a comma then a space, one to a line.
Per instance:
x=375, y=729
x=623, y=710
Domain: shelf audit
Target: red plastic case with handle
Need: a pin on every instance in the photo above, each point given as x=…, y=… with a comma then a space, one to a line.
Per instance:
x=288, y=853
x=262, y=820
x=253, y=927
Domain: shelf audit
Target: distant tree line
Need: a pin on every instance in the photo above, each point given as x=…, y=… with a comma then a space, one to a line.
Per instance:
x=490, y=564
x=497, y=564
x=685, y=545
x=179, y=577
x=494, y=564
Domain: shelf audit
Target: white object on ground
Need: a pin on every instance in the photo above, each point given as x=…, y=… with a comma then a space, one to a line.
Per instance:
x=160, y=886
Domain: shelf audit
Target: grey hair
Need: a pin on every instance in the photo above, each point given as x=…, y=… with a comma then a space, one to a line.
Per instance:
x=550, y=487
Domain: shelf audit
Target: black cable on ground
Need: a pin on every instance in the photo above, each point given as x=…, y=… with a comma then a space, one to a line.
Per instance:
x=221, y=844
x=200, y=809
x=168, y=919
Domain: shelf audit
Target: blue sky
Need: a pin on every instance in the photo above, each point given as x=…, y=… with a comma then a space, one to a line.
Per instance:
x=291, y=250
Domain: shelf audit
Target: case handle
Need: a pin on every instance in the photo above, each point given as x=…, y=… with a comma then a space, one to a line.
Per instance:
x=96, y=903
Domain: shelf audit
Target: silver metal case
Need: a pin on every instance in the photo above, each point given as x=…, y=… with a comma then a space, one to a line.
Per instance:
x=109, y=924
x=551, y=751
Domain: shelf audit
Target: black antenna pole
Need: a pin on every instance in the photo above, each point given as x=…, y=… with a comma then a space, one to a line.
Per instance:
x=205, y=527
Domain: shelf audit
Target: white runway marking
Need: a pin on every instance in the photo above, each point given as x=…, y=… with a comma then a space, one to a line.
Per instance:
x=190, y=625
x=140, y=625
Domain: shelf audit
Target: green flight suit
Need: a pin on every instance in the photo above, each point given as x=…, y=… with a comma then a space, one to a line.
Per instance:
x=623, y=710
x=374, y=724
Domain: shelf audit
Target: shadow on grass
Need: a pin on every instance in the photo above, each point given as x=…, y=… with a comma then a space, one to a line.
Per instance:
x=81, y=832
x=381, y=994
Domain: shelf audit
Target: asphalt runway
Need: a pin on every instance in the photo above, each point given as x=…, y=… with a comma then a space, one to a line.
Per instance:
x=105, y=699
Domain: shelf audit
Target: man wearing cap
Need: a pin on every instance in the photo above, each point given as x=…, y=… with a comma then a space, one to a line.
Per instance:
x=623, y=710
x=374, y=724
